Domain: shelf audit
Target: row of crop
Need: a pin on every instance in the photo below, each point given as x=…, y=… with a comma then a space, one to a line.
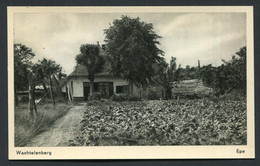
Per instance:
x=183, y=122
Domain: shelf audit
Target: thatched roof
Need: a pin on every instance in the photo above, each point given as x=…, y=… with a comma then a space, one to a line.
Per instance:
x=188, y=87
x=82, y=71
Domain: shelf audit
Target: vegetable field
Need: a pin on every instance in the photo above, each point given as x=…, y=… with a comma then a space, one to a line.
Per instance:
x=176, y=122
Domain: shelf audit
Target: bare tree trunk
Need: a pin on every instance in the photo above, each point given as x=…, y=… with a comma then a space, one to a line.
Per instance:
x=91, y=87
x=52, y=95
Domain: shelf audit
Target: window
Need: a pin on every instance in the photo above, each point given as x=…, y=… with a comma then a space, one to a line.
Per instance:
x=119, y=89
x=122, y=89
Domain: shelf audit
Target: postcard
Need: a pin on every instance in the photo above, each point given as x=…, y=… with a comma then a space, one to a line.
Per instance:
x=131, y=82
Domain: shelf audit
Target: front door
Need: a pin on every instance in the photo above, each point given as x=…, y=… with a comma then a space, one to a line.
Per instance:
x=86, y=90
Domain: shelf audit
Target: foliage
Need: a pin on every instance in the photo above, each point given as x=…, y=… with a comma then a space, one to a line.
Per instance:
x=22, y=62
x=178, y=122
x=132, y=46
x=232, y=74
x=153, y=95
x=134, y=98
x=228, y=77
x=124, y=97
x=44, y=72
x=95, y=96
x=46, y=67
x=208, y=75
x=165, y=75
x=119, y=97
x=90, y=57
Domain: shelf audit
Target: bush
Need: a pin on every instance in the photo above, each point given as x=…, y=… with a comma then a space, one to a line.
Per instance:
x=120, y=97
x=95, y=96
x=134, y=98
x=124, y=97
x=152, y=95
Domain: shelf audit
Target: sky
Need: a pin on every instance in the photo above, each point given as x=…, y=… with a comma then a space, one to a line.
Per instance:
x=208, y=37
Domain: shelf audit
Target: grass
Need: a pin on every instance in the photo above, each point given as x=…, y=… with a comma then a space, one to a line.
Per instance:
x=27, y=127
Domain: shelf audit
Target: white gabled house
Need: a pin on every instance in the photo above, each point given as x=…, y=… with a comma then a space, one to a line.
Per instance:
x=77, y=86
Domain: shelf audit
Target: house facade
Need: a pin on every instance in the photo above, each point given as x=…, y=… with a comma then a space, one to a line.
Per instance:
x=77, y=86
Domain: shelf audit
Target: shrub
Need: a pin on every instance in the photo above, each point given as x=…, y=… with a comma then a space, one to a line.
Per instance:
x=95, y=96
x=120, y=97
x=152, y=95
x=134, y=98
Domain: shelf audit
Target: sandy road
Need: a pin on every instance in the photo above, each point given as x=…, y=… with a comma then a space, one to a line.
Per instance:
x=62, y=131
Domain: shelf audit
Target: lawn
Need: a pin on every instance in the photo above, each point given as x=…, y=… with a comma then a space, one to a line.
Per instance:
x=27, y=127
x=177, y=122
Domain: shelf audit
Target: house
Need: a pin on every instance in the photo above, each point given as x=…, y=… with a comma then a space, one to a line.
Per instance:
x=77, y=86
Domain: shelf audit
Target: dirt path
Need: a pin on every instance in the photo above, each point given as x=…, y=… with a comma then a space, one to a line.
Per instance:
x=62, y=131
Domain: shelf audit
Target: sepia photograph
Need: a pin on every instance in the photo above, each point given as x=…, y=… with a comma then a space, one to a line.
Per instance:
x=121, y=82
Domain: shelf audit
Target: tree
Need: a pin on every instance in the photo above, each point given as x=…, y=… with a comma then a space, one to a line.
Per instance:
x=231, y=76
x=187, y=73
x=46, y=69
x=178, y=74
x=208, y=75
x=165, y=75
x=22, y=62
x=172, y=69
x=90, y=57
x=132, y=47
x=40, y=76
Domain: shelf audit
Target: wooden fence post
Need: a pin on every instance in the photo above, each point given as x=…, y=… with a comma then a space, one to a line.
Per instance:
x=52, y=95
x=31, y=93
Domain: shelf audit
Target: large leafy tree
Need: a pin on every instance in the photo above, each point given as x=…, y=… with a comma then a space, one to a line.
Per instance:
x=46, y=68
x=90, y=57
x=132, y=46
x=22, y=62
x=231, y=76
x=44, y=71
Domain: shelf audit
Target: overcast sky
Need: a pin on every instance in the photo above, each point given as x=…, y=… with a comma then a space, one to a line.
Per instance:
x=208, y=37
